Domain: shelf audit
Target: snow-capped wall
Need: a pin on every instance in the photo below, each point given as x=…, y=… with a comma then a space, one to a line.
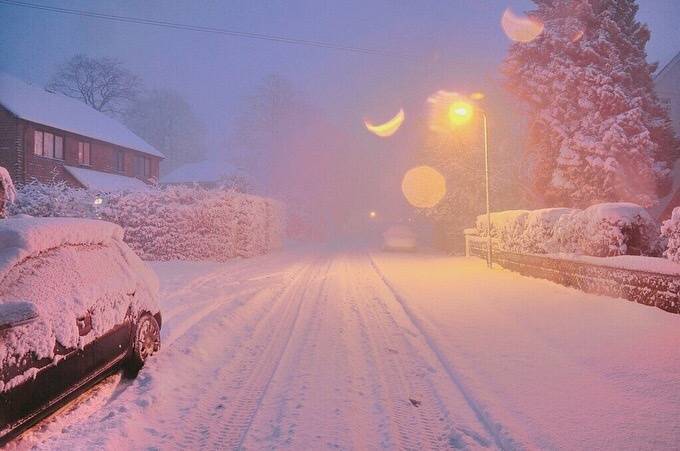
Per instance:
x=645, y=280
x=170, y=223
x=671, y=231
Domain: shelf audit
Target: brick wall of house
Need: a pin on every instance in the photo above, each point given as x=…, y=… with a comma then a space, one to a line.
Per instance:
x=103, y=157
x=9, y=141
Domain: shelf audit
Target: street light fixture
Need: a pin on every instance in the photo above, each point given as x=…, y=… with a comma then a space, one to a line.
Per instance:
x=459, y=113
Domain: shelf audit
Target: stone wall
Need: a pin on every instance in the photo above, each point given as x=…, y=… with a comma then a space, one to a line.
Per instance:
x=648, y=288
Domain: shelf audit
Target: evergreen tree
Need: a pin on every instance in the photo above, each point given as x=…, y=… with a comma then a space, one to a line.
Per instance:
x=597, y=130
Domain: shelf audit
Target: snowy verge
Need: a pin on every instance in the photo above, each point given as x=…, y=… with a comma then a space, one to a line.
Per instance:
x=646, y=280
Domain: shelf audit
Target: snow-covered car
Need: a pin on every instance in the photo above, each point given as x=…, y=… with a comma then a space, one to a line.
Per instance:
x=76, y=303
x=399, y=238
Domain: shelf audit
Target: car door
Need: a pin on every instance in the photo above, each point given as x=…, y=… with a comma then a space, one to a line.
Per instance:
x=50, y=382
x=114, y=344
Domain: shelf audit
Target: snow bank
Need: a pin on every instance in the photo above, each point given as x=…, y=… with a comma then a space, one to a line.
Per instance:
x=67, y=268
x=671, y=231
x=606, y=230
x=169, y=223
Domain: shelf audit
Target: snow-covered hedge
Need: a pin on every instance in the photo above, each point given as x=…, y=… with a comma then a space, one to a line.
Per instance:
x=539, y=229
x=175, y=222
x=671, y=231
x=507, y=228
x=601, y=230
x=608, y=229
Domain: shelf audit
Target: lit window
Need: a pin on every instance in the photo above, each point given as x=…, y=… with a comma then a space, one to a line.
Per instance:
x=48, y=145
x=84, y=153
x=59, y=147
x=37, y=142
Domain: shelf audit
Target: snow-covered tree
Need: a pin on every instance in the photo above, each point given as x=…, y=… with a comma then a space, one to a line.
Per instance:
x=7, y=191
x=597, y=130
x=165, y=119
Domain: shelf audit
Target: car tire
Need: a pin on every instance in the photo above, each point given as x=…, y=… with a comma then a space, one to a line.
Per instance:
x=146, y=342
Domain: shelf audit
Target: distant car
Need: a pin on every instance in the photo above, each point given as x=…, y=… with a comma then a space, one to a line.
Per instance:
x=76, y=303
x=399, y=238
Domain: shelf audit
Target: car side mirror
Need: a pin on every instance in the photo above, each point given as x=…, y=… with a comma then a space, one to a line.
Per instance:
x=17, y=313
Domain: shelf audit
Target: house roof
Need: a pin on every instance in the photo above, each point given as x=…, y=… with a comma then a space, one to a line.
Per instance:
x=206, y=171
x=675, y=60
x=34, y=104
x=104, y=181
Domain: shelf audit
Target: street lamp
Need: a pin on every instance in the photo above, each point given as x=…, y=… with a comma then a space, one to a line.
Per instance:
x=459, y=113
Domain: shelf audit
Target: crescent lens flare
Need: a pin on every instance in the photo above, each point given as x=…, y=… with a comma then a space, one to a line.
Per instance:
x=520, y=29
x=423, y=186
x=388, y=128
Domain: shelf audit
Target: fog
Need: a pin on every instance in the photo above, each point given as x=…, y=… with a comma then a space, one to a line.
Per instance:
x=292, y=116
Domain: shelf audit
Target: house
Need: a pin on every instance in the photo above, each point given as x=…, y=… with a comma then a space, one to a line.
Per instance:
x=209, y=174
x=667, y=83
x=50, y=137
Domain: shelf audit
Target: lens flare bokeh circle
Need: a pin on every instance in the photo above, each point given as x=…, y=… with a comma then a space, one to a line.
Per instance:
x=423, y=186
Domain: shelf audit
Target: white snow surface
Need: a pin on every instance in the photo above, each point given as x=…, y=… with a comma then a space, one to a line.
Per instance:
x=105, y=181
x=327, y=349
x=67, y=268
x=35, y=104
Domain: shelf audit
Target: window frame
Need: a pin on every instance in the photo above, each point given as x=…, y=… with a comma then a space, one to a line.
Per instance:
x=40, y=150
x=120, y=160
x=142, y=167
x=81, y=153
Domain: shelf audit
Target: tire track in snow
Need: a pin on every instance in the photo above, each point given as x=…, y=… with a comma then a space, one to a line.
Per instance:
x=421, y=413
x=224, y=413
x=501, y=438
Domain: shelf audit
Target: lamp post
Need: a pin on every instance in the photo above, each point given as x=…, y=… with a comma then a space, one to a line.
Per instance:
x=459, y=113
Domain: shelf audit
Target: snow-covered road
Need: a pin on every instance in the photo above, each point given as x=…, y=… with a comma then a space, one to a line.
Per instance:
x=352, y=350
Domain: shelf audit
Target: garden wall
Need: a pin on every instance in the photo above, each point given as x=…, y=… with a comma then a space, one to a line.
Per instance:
x=659, y=289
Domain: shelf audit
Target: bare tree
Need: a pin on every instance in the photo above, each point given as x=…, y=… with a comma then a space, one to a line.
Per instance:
x=103, y=83
x=166, y=120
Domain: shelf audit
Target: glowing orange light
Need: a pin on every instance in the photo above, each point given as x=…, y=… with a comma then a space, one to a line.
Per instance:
x=447, y=109
x=372, y=215
x=520, y=29
x=460, y=112
x=477, y=96
x=423, y=186
x=388, y=128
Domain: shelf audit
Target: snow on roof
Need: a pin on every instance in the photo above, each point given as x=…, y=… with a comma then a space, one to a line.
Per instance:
x=104, y=181
x=664, y=70
x=35, y=104
x=24, y=236
x=206, y=171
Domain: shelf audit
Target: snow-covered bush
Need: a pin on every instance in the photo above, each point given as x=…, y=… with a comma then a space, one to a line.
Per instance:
x=539, y=227
x=507, y=228
x=175, y=222
x=53, y=200
x=671, y=231
x=607, y=229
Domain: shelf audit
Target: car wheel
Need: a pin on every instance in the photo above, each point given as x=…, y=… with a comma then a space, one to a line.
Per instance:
x=147, y=341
